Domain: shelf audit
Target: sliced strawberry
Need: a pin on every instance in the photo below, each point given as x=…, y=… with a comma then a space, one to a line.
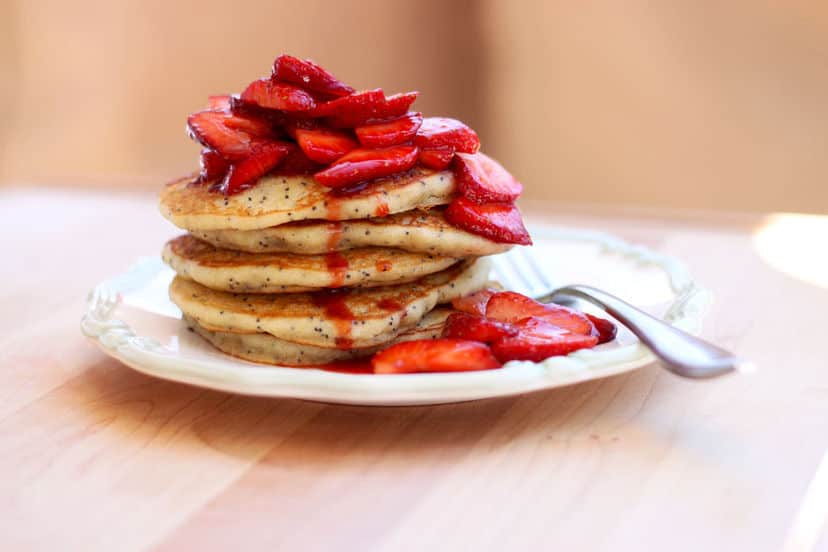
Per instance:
x=358, y=103
x=324, y=145
x=474, y=303
x=397, y=104
x=367, y=164
x=483, y=180
x=256, y=128
x=539, y=339
x=437, y=159
x=604, y=329
x=296, y=163
x=250, y=110
x=434, y=355
x=278, y=95
x=390, y=133
x=291, y=126
x=462, y=325
x=229, y=135
x=499, y=222
x=213, y=166
x=263, y=157
x=308, y=75
x=220, y=102
x=508, y=306
x=441, y=133
x=360, y=108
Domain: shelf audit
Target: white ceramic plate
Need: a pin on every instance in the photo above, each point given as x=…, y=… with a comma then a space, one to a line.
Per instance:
x=131, y=318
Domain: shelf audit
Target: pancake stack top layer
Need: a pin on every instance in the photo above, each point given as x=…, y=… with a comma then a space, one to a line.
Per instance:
x=317, y=250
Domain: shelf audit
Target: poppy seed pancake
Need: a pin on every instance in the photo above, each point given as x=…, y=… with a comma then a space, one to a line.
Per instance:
x=423, y=231
x=241, y=272
x=276, y=200
x=372, y=316
x=262, y=347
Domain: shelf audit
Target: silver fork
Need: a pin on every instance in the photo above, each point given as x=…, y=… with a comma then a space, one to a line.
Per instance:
x=678, y=351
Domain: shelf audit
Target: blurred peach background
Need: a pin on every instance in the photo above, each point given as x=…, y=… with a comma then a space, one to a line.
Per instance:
x=716, y=105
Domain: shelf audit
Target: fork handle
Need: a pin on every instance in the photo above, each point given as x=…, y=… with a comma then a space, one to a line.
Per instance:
x=679, y=352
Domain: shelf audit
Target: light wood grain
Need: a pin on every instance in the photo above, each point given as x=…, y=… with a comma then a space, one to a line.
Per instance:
x=98, y=457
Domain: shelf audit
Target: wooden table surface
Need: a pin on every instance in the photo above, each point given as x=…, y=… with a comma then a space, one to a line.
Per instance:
x=97, y=457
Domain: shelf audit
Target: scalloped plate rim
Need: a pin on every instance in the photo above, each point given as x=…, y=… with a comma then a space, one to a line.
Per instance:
x=228, y=374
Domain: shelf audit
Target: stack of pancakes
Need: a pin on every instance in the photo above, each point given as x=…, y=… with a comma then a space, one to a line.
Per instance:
x=289, y=272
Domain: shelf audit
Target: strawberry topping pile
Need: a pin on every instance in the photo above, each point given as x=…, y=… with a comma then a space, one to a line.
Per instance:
x=492, y=327
x=303, y=120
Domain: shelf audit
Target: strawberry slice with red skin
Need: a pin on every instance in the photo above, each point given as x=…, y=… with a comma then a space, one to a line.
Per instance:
x=445, y=133
x=605, y=330
x=367, y=106
x=219, y=102
x=296, y=163
x=244, y=174
x=293, y=125
x=483, y=180
x=250, y=110
x=462, y=325
x=356, y=104
x=509, y=306
x=396, y=105
x=366, y=164
x=538, y=339
x=230, y=135
x=498, y=222
x=434, y=355
x=213, y=166
x=309, y=76
x=437, y=159
x=390, y=133
x=278, y=95
x=324, y=145
x=474, y=303
x=256, y=128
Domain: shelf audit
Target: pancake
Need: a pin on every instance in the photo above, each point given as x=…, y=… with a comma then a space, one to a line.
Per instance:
x=236, y=271
x=262, y=347
x=417, y=231
x=278, y=200
x=344, y=319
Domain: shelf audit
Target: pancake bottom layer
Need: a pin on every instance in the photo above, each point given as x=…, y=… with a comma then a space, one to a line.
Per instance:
x=264, y=348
